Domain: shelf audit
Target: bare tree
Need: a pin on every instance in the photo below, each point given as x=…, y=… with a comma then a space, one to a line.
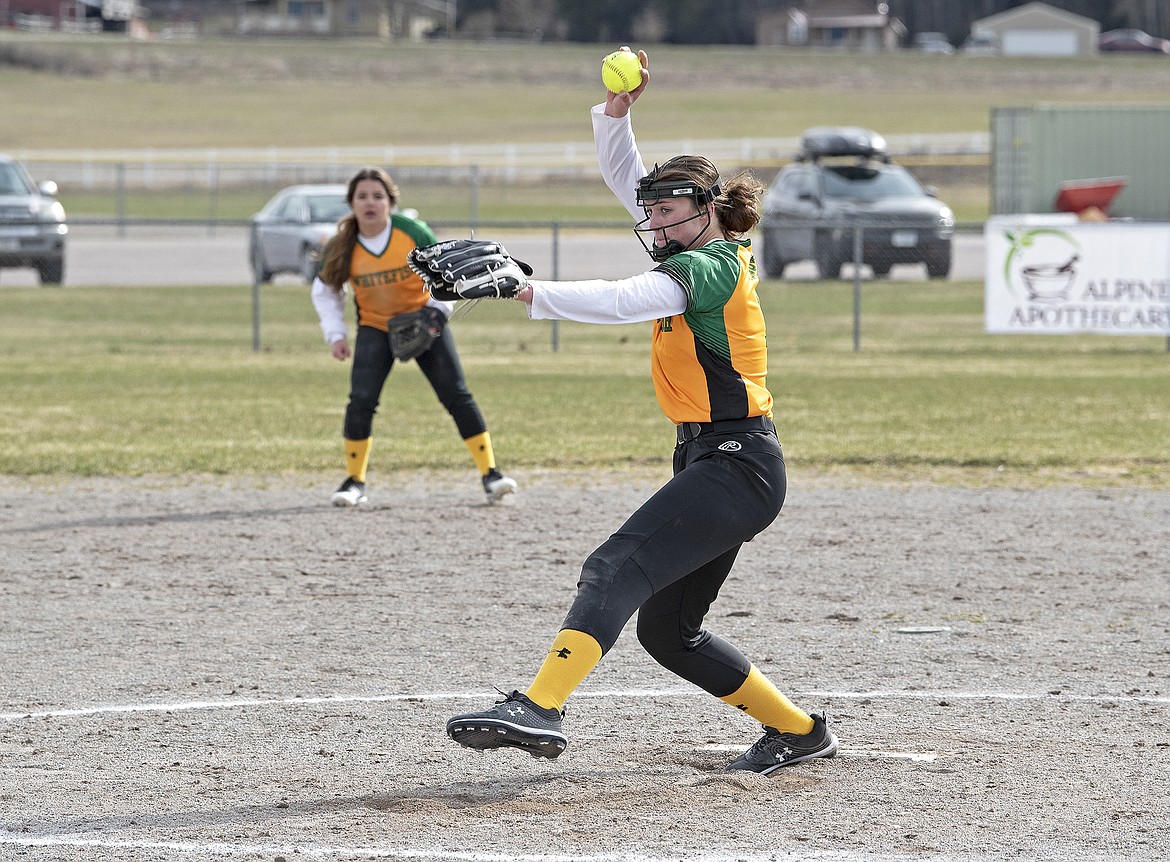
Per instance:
x=1153, y=16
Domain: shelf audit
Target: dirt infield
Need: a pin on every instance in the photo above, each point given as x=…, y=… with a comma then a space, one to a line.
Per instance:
x=222, y=669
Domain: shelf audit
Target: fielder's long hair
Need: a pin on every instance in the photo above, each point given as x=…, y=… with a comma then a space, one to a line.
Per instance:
x=738, y=205
x=337, y=255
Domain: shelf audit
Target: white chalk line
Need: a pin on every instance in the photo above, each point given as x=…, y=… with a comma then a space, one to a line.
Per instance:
x=204, y=849
x=340, y=700
x=917, y=757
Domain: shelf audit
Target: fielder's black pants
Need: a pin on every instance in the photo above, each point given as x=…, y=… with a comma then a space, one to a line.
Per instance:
x=372, y=361
x=670, y=558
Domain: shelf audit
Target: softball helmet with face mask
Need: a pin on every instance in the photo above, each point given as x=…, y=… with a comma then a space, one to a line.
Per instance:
x=671, y=181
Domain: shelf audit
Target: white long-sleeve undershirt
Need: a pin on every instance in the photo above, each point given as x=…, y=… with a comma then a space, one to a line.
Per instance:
x=330, y=305
x=640, y=298
x=618, y=157
x=644, y=297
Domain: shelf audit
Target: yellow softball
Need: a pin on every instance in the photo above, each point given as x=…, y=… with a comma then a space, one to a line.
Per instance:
x=621, y=72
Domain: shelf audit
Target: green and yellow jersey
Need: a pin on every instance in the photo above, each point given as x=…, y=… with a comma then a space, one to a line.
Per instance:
x=383, y=284
x=710, y=363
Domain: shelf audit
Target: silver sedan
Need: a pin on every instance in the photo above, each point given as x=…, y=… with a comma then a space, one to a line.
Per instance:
x=289, y=233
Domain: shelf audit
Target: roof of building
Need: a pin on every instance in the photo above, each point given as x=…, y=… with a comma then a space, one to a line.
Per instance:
x=1029, y=9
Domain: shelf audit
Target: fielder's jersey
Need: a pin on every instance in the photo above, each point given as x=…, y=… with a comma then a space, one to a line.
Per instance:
x=710, y=363
x=383, y=284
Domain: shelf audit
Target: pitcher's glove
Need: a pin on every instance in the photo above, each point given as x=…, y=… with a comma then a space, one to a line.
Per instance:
x=469, y=269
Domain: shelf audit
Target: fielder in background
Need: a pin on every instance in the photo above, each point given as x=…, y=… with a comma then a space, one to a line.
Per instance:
x=396, y=320
x=669, y=560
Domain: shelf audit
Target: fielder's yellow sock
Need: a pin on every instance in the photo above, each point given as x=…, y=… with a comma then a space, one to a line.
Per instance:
x=480, y=447
x=572, y=656
x=768, y=705
x=357, y=457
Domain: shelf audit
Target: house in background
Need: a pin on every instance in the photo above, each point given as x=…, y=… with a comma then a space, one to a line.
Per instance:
x=854, y=24
x=118, y=16
x=411, y=19
x=1040, y=30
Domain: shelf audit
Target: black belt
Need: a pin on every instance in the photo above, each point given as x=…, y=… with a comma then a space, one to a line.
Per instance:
x=688, y=431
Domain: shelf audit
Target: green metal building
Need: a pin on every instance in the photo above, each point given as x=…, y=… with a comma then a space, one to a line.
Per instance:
x=1035, y=150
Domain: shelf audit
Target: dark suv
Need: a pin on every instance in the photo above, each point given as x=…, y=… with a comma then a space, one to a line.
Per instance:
x=32, y=223
x=843, y=176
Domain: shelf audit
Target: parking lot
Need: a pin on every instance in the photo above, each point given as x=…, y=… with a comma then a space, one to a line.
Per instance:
x=207, y=255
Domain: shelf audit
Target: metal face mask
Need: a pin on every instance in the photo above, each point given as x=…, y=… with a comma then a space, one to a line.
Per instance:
x=651, y=192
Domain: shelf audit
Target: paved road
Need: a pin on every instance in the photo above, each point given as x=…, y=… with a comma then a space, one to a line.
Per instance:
x=198, y=256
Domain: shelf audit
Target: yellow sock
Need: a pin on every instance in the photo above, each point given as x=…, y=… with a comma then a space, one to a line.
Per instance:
x=572, y=656
x=357, y=457
x=480, y=447
x=768, y=705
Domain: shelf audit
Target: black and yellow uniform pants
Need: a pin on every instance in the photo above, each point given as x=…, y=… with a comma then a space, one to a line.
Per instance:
x=372, y=361
x=670, y=558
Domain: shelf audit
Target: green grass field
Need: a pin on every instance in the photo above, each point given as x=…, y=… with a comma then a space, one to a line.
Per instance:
x=165, y=381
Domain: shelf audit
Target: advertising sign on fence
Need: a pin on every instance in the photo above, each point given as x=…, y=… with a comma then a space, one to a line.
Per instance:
x=1054, y=275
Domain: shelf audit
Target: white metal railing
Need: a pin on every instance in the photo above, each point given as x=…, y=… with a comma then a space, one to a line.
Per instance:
x=516, y=156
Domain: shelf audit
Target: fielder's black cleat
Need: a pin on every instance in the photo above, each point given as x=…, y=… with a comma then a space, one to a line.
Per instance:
x=514, y=722
x=775, y=749
x=497, y=486
x=351, y=493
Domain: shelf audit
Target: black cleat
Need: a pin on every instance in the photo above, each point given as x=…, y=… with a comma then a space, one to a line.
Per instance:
x=514, y=722
x=497, y=486
x=350, y=493
x=775, y=749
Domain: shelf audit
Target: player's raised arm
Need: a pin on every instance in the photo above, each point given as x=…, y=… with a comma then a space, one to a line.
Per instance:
x=613, y=136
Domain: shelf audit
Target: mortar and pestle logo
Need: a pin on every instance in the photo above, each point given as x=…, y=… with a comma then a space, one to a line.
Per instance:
x=1048, y=282
x=1028, y=270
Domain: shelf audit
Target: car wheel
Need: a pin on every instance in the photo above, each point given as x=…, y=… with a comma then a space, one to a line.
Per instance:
x=938, y=261
x=774, y=265
x=260, y=271
x=51, y=270
x=309, y=265
x=882, y=269
x=829, y=258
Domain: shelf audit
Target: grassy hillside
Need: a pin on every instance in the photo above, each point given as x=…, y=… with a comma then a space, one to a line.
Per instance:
x=105, y=92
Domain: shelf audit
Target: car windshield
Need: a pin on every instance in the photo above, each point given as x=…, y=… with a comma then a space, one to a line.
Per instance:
x=12, y=182
x=326, y=208
x=862, y=182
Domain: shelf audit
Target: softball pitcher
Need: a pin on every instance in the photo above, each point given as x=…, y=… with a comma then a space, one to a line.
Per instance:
x=397, y=320
x=709, y=368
